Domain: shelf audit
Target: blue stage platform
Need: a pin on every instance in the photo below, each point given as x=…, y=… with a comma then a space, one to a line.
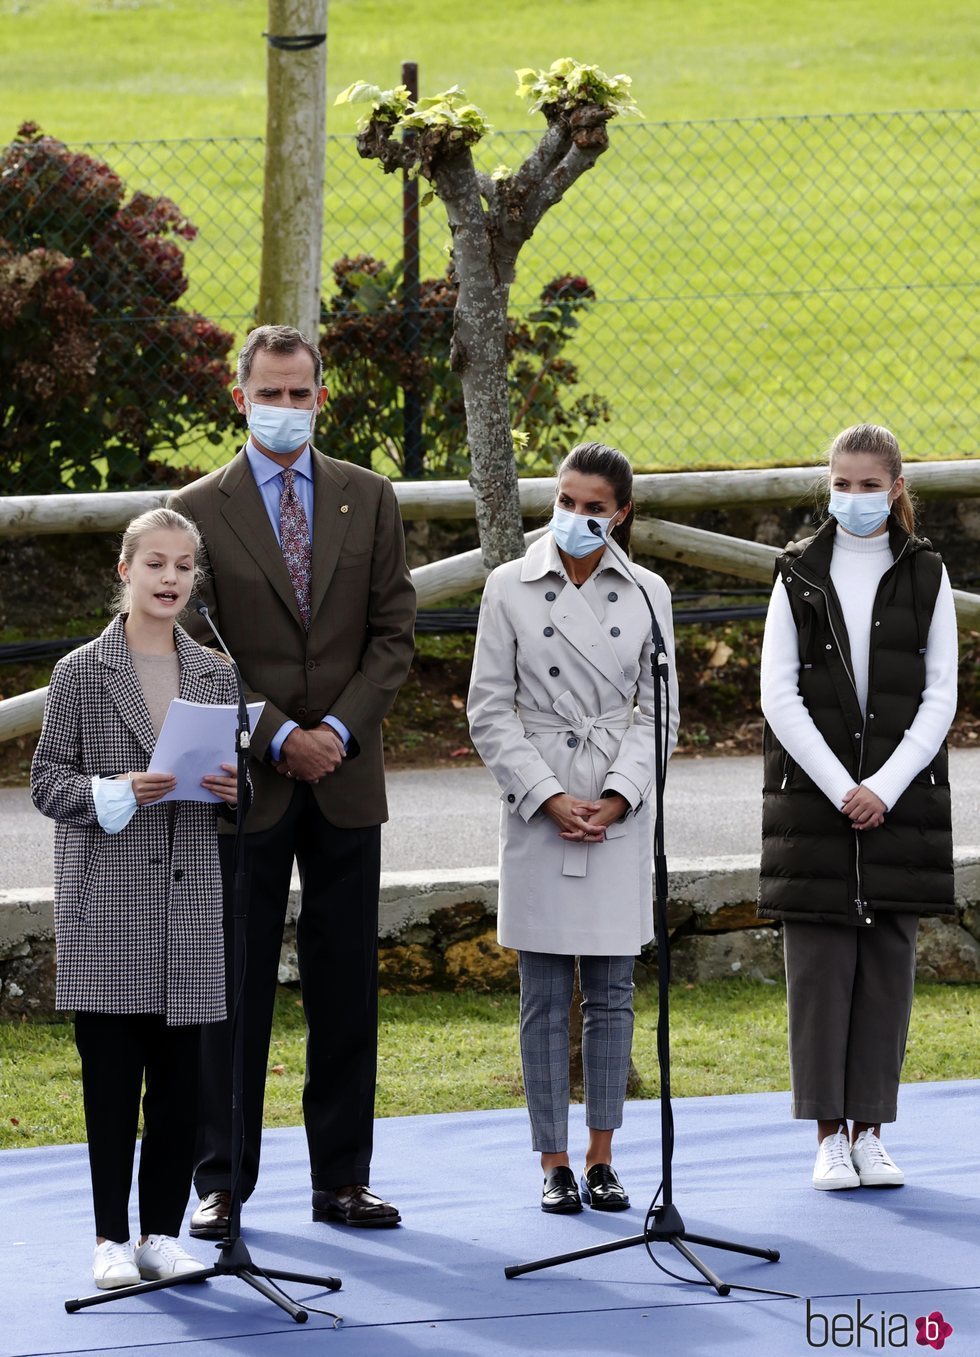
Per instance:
x=467, y=1186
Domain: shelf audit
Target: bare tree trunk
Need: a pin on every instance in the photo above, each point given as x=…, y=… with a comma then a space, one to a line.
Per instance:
x=295, y=150
x=486, y=243
x=479, y=356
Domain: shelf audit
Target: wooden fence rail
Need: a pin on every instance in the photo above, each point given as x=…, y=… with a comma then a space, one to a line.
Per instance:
x=459, y=574
x=110, y=511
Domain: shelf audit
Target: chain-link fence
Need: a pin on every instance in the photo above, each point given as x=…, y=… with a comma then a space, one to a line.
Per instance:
x=723, y=293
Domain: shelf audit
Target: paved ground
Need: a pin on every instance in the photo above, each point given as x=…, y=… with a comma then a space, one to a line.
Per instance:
x=447, y=818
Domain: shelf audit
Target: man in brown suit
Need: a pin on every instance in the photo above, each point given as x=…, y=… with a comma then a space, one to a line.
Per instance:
x=307, y=583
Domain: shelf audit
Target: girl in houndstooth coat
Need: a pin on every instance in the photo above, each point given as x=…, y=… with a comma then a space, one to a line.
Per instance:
x=138, y=906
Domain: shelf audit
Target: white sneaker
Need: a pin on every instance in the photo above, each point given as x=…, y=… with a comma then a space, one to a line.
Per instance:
x=113, y=1265
x=833, y=1169
x=163, y=1256
x=874, y=1165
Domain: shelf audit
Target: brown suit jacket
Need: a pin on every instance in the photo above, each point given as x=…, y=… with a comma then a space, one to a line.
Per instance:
x=360, y=644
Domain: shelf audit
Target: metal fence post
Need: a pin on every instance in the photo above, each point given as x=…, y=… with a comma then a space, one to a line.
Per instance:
x=412, y=410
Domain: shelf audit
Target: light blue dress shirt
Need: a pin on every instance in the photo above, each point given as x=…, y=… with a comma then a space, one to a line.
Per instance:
x=268, y=478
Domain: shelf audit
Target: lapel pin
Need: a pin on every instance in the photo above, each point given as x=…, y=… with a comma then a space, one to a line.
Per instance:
x=343, y=508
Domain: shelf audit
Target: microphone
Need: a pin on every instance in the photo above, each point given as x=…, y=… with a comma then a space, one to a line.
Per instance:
x=659, y=646
x=661, y=711
x=244, y=734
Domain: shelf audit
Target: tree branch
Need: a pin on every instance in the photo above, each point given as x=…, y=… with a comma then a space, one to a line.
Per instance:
x=545, y=156
x=377, y=143
x=488, y=190
x=587, y=127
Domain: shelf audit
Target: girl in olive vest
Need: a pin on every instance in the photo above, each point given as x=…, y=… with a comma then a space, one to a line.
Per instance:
x=858, y=692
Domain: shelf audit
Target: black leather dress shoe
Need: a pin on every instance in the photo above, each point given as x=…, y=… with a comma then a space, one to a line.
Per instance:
x=602, y=1190
x=210, y=1220
x=560, y=1195
x=354, y=1205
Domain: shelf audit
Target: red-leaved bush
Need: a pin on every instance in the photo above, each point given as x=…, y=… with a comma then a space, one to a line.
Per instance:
x=101, y=371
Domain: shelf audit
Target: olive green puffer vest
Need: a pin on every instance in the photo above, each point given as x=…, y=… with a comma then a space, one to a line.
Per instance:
x=815, y=867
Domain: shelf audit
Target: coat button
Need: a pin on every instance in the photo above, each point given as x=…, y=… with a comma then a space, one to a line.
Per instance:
x=614, y=631
x=806, y=593
x=857, y=735
x=612, y=597
x=572, y=741
x=311, y=664
x=554, y=671
x=511, y=797
x=300, y=711
x=549, y=631
x=877, y=624
x=550, y=596
x=828, y=646
x=179, y=874
x=871, y=716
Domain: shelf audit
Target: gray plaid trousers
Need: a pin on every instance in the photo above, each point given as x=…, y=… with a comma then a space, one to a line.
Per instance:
x=547, y=980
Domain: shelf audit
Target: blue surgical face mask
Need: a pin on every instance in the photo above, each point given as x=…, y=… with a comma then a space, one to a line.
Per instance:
x=280, y=428
x=860, y=514
x=572, y=533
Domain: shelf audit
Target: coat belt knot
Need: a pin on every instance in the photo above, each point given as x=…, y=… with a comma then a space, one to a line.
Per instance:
x=601, y=733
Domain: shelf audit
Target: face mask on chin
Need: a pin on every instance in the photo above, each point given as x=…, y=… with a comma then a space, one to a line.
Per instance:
x=280, y=428
x=573, y=535
x=860, y=514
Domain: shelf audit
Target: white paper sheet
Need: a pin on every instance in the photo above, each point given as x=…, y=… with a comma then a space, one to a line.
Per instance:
x=195, y=740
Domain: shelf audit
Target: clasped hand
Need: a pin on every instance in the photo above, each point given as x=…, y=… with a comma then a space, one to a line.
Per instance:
x=863, y=808
x=309, y=755
x=581, y=821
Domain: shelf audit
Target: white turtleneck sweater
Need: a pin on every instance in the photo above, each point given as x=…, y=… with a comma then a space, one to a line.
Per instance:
x=856, y=569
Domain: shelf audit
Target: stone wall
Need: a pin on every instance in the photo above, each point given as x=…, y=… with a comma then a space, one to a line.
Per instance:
x=438, y=931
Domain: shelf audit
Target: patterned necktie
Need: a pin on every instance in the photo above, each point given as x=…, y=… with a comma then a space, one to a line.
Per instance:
x=294, y=533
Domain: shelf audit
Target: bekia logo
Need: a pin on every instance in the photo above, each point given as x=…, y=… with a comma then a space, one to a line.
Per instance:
x=932, y=1330
x=873, y=1329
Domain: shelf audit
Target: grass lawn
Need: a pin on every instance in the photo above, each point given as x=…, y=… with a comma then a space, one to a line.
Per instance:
x=99, y=70
x=759, y=285
x=450, y=1053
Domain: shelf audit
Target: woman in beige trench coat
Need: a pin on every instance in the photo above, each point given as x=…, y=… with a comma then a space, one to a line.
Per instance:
x=561, y=712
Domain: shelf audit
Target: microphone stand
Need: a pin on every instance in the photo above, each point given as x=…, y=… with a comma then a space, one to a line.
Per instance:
x=663, y=1223
x=233, y=1257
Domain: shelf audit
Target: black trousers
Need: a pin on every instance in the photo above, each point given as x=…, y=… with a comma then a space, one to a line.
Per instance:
x=337, y=949
x=118, y=1051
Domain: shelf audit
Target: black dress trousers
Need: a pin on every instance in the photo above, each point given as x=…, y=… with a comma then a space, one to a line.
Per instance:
x=337, y=948
x=120, y=1052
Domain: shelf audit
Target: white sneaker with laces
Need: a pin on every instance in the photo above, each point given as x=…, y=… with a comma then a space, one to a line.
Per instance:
x=833, y=1169
x=873, y=1164
x=163, y=1256
x=113, y=1265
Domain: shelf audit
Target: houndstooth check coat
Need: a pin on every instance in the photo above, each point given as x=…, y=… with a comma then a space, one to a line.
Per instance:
x=138, y=914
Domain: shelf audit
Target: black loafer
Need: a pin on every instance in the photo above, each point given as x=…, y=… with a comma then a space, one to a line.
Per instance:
x=560, y=1195
x=354, y=1205
x=602, y=1190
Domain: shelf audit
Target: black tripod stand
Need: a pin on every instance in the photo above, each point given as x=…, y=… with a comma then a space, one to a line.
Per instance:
x=663, y=1223
x=233, y=1257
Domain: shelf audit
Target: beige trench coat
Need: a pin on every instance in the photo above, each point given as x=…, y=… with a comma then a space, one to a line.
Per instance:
x=561, y=700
